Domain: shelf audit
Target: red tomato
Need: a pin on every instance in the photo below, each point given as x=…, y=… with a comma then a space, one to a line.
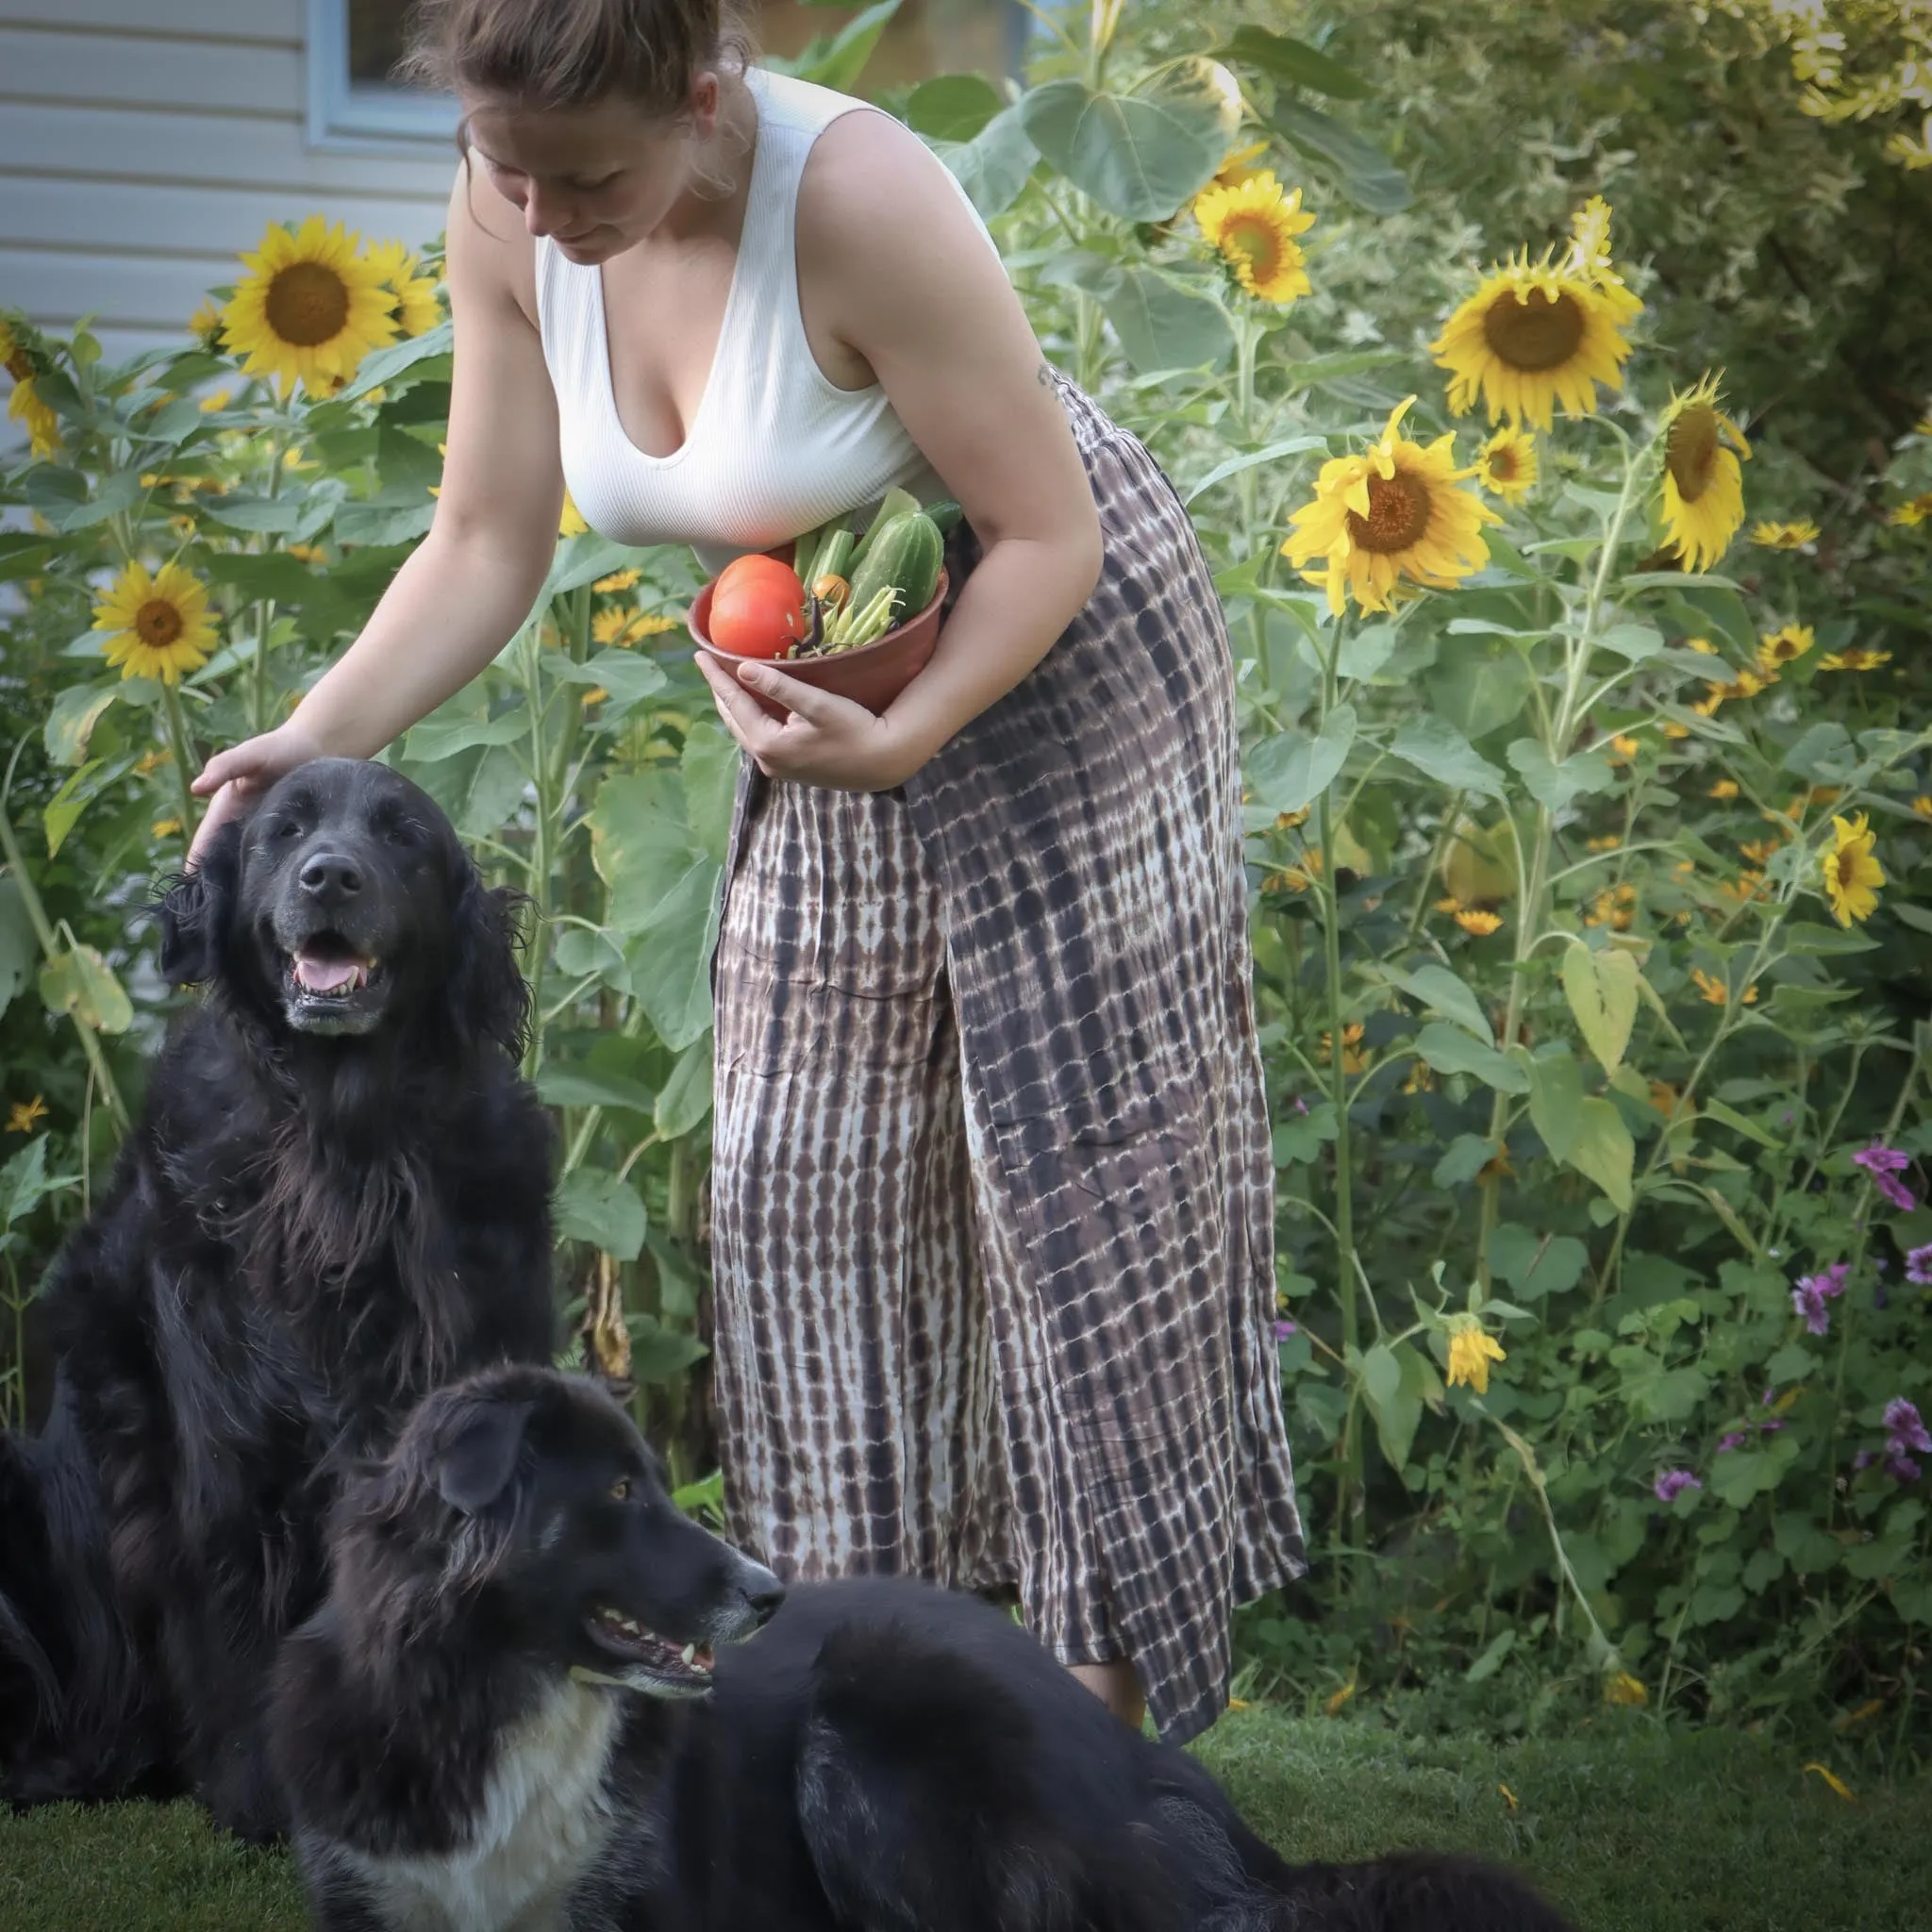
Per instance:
x=758, y=607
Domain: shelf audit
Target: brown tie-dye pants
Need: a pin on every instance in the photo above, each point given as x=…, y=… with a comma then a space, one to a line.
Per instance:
x=991, y=1196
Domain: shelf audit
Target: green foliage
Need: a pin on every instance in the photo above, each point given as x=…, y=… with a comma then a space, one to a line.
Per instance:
x=1568, y=1052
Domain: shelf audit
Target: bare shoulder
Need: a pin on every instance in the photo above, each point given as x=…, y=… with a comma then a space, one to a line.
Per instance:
x=491, y=255
x=874, y=194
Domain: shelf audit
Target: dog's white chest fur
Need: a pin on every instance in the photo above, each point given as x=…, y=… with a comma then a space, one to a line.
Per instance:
x=542, y=1819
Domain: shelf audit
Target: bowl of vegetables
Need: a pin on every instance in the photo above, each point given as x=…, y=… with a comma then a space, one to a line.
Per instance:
x=857, y=616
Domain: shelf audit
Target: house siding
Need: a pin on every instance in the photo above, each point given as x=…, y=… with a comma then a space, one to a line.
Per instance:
x=146, y=143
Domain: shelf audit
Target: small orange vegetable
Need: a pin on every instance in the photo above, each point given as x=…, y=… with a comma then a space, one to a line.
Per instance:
x=833, y=592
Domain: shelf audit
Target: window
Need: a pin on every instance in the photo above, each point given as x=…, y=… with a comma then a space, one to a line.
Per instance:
x=353, y=103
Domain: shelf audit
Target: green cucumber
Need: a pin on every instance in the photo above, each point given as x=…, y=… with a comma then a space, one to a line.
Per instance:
x=946, y=515
x=836, y=558
x=905, y=553
x=896, y=503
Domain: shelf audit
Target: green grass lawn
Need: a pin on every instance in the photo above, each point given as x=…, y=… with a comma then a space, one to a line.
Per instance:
x=1632, y=1829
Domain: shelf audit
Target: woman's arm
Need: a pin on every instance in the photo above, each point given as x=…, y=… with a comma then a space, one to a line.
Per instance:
x=892, y=265
x=456, y=601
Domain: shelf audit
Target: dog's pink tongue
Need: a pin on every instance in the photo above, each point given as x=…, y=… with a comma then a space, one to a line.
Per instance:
x=324, y=976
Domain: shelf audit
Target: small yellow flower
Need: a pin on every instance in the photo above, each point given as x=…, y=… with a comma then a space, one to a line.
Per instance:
x=1922, y=806
x=1422, y=1078
x=1785, y=646
x=595, y=695
x=1852, y=873
x=607, y=626
x=1702, y=646
x=1390, y=518
x=1915, y=510
x=1615, y=907
x=1855, y=658
x=1332, y=1705
x=205, y=324
x=1470, y=1352
x=1725, y=788
x=1703, y=482
x=1472, y=919
x=1506, y=465
x=216, y=399
x=571, y=523
x=152, y=761
x=1353, y=1058
x=156, y=625
x=1664, y=1097
x=1833, y=1783
x=1509, y=1796
x=1625, y=1689
x=21, y=1117
x=1758, y=851
x=1791, y=536
x=1253, y=228
x=617, y=580
x=1747, y=886
x=1713, y=989
x=308, y=552
x=165, y=828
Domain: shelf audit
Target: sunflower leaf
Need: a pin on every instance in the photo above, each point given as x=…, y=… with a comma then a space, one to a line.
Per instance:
x=1139, y=155
x=1450, y=1050
x=386, y=364
x=1553, y=786
x=1274, y=452
x=1367, y=176
x=1294, y=61
x=994, y=166
x=1440, y=752
x=953, y=107
x=1288, y=770
x=1163, y=326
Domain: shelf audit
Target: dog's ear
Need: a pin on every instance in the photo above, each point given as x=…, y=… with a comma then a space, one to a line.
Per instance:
x=488, y=997
x=195, y=909
x=478, y=1457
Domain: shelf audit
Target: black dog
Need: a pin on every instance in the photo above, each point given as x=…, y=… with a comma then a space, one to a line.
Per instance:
x=335, y=1199
x=509, y=1714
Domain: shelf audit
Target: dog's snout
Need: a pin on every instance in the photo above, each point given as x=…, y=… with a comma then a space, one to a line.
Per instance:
x=331, y=876
x=763, y=1592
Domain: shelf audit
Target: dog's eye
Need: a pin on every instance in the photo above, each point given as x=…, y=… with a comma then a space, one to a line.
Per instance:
x=620, y=1489
x=289, y=828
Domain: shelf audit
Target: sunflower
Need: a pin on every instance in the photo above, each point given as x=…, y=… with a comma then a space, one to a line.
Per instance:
x=1725, y=788
x=1472, y=919
x=156, y=625
x=1852, y=873
x=1354, y=1061
x=1470, y=1352
x=1390, y=513
x=617, y=580
x=1506, y=464
x=1785, y=646
x=1703, y=483
x=1534, y=336
x=1855, y=658
x=25, y=1114
x=204, y=326
x=1785, y=536
x=309, y=307
x=1241, y=165
x=1254, y=225
x=1589, y=241
x=27, y=408
x=1915, y=510
x=417, y=308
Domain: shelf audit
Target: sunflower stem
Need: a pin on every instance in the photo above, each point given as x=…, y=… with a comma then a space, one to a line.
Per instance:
x=183, y=749
x=264, y=615
x=1350, y=1502
x=542, y=856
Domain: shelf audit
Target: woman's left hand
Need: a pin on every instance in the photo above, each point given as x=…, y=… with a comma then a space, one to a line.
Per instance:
x=825, y=740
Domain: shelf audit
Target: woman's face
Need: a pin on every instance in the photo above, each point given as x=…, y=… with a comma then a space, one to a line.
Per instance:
x=596, y=179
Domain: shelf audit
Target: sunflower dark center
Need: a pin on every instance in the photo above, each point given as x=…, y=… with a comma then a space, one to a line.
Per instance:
x=1254, y=240
x=1398, y=514
x=18, y=366
x=157, y=624
x=1690, y=450
x=308, y=304
x=1535, y=331
x=1504, y=465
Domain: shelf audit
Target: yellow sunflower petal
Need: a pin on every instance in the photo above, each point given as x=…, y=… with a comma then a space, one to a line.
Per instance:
x=309, y=307
x=155, y=624
x=1253, y=226
x=1703, y=480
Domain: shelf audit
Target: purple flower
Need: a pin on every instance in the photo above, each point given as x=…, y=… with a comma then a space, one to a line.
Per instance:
x=1882, y=1164
x=1813, y=1290
x=1284, y=1329
x=1918, y=1266
x=1672, y=1483
x=1773, y=1425
x=1904, y=1430
x=1734, y=1439
x=1900, y=1468
x=1864, y=1459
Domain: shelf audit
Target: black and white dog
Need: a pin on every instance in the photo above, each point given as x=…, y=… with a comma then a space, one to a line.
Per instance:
x=524, y=1706
x=334, y=1201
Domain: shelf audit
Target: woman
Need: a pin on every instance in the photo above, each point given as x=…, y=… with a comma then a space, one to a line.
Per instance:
x=991, y=1193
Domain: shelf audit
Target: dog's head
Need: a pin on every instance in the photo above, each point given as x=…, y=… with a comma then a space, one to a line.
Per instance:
x=528, y=1499
x=343, y=904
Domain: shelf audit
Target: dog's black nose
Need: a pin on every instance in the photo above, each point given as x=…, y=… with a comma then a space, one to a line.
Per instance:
x=764, y=1602
x=331, y=878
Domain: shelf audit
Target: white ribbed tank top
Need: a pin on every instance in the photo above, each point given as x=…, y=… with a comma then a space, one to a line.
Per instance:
x=775, y=447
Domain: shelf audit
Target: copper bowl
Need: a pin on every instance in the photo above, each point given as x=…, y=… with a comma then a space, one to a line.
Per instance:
x=872, y=676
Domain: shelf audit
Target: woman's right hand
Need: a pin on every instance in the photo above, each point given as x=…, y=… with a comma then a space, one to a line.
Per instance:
x=232, y=780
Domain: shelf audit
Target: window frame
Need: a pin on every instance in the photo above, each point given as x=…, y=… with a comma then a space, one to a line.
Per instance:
x=365, y=117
